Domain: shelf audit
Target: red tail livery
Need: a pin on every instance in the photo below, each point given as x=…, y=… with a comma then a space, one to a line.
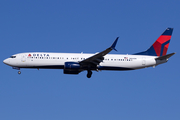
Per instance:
x=160, y=46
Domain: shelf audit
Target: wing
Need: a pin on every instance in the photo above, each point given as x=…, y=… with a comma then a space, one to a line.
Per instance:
x=95, y=60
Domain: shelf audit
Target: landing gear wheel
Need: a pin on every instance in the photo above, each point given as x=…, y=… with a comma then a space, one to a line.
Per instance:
x=19, y=72
x=89, y=74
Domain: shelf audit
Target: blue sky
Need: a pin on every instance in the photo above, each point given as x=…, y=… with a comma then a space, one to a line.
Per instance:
x=89, y=27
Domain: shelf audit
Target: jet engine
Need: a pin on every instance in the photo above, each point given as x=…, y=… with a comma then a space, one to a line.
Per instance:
x=72, y=68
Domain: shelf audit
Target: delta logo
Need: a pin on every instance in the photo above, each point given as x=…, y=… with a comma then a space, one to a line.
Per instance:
x=38, y=55
x=29, y=55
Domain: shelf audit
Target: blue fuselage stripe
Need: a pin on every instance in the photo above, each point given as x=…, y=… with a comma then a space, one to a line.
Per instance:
x=62, y=67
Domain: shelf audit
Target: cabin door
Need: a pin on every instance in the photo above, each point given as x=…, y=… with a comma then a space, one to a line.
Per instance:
x=23, y=58
x=143, y=61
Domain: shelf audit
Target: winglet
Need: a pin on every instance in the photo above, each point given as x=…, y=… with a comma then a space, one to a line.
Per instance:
x=114, y=44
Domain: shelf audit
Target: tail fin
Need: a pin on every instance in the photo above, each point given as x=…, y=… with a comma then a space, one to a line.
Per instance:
x=160, y=46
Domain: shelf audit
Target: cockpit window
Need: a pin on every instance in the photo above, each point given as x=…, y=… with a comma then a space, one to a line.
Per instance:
x=13, y=57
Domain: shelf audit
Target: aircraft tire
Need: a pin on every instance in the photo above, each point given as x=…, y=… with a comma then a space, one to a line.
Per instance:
x=19, y=72
x=89, y=74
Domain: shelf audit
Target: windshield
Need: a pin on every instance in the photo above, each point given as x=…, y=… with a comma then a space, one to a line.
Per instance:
x=13, y=57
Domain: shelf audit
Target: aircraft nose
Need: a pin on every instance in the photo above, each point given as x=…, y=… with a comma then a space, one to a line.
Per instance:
x=6, y=61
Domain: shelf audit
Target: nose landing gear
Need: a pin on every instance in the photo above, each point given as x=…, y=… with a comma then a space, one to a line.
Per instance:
x=17, y=68
x=19, y=72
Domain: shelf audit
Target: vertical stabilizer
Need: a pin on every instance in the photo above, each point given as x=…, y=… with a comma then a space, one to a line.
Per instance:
x=160, y=46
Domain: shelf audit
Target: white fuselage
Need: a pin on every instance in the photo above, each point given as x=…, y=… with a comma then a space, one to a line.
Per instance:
x=57, y=60
x=74, y=63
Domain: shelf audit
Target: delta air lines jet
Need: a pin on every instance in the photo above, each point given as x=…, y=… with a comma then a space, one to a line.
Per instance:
x=74, y=63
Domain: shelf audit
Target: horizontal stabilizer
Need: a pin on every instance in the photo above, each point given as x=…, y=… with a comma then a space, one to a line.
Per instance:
x=165, y=56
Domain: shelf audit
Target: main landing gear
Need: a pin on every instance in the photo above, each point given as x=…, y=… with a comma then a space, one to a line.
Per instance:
x=89, y=74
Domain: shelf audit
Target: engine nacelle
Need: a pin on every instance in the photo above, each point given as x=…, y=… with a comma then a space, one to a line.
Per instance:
x=71, y=68
x=71, y=65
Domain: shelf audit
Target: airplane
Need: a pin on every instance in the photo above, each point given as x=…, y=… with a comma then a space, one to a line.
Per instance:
x=74, y=63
